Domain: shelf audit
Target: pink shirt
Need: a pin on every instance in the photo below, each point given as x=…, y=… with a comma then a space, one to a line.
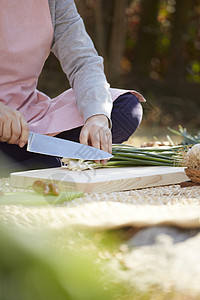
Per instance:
x=26, y=35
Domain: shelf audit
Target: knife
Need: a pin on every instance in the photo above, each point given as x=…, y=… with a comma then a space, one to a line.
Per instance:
x=44, y=144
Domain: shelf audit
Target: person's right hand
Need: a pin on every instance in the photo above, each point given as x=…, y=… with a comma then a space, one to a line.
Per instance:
x=13, y=126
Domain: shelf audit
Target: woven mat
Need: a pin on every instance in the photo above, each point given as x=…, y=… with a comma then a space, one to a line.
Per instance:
x=170, y=205
x=101, y=215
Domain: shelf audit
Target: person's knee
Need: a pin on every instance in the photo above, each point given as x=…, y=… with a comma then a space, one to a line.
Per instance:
x=136, y=113
x=126, y=117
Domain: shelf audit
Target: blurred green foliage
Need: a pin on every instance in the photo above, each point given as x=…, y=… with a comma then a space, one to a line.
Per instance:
x=41, y=265
x=67, y=264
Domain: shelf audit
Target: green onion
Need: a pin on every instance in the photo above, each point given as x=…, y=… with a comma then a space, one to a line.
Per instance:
x=188, y=139
x=34, y=199
x=128, y=156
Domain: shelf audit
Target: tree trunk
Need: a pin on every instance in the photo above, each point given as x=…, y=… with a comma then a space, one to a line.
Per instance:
x=100, y=28
x=176, y=67
x=117, y=42
x=108, y=32
x=87, y=13
x=147, y=37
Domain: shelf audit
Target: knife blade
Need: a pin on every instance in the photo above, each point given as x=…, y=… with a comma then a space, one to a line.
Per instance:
x=44, y=144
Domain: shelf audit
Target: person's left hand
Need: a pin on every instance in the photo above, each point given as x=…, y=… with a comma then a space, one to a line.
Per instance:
x=96, y=133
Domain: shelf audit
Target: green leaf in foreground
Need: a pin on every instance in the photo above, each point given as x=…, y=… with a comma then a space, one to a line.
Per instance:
x=34, y=199
x=31, y=269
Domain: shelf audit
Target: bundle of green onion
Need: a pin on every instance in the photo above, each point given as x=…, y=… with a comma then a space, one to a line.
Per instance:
x=127, y=155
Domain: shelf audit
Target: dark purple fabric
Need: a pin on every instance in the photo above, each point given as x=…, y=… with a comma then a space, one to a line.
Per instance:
x=126, y=116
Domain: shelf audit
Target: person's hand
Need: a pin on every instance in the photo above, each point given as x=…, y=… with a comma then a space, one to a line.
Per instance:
x=96, y=133
x=13, y=126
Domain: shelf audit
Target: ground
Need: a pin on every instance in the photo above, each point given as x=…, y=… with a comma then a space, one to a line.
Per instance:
x=155, y=248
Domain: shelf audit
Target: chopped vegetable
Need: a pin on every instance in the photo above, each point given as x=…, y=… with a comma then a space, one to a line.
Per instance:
x=76, y=164
x=54, y=189
x=41, y=187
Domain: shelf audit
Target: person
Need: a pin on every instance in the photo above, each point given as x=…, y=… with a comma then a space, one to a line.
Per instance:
x=90, y=112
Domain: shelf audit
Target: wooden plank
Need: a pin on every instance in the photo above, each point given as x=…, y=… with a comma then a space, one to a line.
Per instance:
x=103, y=180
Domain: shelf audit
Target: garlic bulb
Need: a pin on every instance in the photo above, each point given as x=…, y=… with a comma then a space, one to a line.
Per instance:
x=192, y=157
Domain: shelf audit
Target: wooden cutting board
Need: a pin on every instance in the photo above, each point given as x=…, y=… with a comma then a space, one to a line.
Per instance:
x=103, y=180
